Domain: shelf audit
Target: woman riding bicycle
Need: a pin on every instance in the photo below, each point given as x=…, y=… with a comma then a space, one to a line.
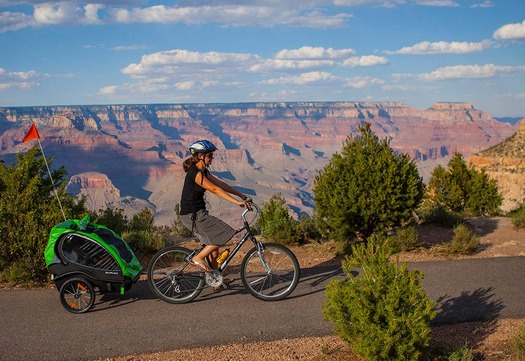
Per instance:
x=211, y=231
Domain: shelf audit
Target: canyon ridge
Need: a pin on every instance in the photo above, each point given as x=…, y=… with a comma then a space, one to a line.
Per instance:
x=130, y=156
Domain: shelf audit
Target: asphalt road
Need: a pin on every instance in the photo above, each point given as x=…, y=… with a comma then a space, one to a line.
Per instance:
x=34, y=326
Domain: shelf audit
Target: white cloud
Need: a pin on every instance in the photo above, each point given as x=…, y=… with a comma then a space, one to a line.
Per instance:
x=367, y=60
x=394, y=3
x=326, y=78
x=384, y=3
x=265, y=14
x=111, y=89
x=305, y=78
x=309, y=14
x=184, y=71
x=281, y=64
x=185, y=85
x=442, y=47
x=91, y=11
x=130, y=47
x=10, y=21
x=19, y=79
x=306, y=57
x=181, y=63
x=179, y=71
x=484, y=4
x=471, y=72
x=51, y=13
x=309, y=52
x=363, y=82
x=55, y=13
x=514, y=32
x=437, y=3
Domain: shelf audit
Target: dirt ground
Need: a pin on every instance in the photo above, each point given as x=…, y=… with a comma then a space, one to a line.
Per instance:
x=491, y=340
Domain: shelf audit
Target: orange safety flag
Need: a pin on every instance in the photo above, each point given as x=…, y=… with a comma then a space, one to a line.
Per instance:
x=31, y=134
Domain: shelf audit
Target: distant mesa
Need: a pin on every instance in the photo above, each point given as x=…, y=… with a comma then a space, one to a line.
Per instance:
x=130, y=156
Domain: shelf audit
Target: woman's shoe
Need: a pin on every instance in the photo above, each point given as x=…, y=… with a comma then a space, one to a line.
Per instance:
x=202, y=265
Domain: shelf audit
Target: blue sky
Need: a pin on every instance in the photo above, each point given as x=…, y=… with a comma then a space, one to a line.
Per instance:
x=120, y=52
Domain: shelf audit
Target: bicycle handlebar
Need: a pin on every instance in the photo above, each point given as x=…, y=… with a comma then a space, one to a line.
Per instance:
x=252, y=205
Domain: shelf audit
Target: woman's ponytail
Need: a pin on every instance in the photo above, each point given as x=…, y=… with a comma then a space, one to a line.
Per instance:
x=186, y=165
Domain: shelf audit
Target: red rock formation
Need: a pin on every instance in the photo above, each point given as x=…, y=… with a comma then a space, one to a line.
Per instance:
x=268, y=147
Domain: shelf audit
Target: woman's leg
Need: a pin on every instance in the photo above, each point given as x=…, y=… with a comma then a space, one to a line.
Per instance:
x=208, y=250
x=212, y=258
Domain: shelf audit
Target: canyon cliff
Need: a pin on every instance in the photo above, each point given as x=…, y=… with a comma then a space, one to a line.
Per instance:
x=130, y=156
x=505, y=162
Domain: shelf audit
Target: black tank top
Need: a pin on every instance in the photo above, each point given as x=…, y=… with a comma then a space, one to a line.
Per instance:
x=192, y=198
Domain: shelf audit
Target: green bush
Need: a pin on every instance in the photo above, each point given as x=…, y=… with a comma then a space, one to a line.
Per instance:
x=464, y=241
x=404, y=239
x=306, y=230
x=142, y=221
x=384, y=314
x=367, y=188
x=144, y=240
x=113, y=218
x=518, y=218
x=463, y=189
x=178, y=229
x=28, y=210
x=463, y=353
x=518, y=342
x=275, y=222
x=439, y=215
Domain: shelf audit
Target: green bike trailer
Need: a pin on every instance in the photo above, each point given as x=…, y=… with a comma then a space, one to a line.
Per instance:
x=83, y=256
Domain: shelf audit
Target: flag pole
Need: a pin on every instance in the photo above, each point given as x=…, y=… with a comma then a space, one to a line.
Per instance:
x=50, y=176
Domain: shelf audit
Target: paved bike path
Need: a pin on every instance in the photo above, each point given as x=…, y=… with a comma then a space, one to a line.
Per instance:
x=34, y=326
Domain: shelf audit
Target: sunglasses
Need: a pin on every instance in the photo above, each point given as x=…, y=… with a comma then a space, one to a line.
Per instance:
x=209, y=155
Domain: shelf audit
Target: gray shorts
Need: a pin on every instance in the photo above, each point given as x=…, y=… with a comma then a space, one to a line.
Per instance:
x=209, y=229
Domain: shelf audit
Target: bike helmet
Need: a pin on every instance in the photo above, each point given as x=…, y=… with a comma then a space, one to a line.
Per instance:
x=202, y=146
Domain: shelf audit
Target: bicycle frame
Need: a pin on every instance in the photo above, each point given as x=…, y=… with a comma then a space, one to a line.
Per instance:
x=247, y=236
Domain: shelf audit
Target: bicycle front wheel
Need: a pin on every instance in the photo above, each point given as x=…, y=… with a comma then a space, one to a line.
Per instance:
x=272, y=274
x=171, y=276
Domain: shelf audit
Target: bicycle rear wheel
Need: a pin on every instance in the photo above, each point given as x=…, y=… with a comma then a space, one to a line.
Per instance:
x=271, y=276
x=171, y=276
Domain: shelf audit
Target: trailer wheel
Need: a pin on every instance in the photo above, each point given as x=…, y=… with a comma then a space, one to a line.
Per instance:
x=77, y=295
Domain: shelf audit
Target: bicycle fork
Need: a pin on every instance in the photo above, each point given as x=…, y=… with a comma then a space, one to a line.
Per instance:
x=260, y=252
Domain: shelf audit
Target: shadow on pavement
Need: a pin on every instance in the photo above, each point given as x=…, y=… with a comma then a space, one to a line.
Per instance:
x=471, y=307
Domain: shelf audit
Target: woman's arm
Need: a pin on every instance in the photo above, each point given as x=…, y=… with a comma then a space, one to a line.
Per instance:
x=216, y=189
x=225, y=186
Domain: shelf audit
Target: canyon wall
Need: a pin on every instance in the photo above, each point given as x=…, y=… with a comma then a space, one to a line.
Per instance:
x=130, y=156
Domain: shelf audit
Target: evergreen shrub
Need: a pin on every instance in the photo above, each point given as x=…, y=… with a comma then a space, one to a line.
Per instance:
x=463, y=353
x=518, y=342
x=518, y=217
x=462, y=189
x=275, y=222
x=404, y=239
x=384, y=313
x=367, y=188
x=439, y=215
x=464, y=241
x=29, y=209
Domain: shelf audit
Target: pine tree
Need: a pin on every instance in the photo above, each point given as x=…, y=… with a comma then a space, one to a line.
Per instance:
x=275, y=221
x=463, y=189
x=28, y=210
x=366, y=188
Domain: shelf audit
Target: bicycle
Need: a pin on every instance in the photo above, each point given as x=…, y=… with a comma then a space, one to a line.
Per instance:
x=269, y=271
